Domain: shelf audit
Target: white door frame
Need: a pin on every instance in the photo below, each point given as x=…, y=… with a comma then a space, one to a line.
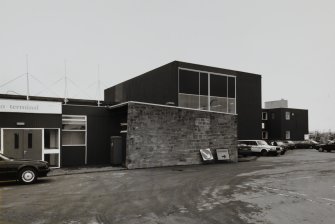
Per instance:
x=44, y=151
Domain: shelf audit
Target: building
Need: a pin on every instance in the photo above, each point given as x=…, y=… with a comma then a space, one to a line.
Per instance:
x=198, y=87
x=73, y=134
x=282, y=123
x=161, y=118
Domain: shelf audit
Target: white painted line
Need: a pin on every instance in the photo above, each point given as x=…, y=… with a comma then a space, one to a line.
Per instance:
x=302, y=178
x=284, y=195
x=273, y=189
x=328, y=199
x=292, y=192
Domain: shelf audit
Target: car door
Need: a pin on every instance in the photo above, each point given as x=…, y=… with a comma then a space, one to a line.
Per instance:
x=254, y=146
x=8, y=170
x=332, y=145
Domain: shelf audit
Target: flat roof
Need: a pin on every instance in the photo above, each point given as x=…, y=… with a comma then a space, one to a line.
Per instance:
x=167, y=106
x=70, y=101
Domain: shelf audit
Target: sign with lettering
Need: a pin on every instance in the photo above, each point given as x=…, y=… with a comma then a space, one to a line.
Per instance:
x=30, y=106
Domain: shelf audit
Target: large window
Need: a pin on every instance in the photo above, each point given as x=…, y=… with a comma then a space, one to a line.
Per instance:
x=73, y=130
x=207, y=91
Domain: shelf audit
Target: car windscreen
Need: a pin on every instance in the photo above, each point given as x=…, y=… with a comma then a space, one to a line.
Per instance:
x=262, y=142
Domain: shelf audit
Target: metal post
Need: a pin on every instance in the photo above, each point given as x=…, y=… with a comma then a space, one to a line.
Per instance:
x=27, y=78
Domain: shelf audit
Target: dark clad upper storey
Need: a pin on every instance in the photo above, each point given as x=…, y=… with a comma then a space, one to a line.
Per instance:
x=198, y=87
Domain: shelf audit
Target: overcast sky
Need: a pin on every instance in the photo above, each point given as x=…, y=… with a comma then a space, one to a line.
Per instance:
x=291, y=43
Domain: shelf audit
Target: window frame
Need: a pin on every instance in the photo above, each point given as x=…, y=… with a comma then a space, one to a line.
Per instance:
x=264, y=118
x=287, y=115
x=265, y=135
x=69, y=117
x=209, y=90
x=287, y=135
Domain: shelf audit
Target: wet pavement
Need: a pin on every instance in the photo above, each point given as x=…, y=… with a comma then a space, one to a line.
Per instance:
x=298, y=187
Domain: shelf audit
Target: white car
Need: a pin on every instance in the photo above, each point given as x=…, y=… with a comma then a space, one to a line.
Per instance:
x=261, y=147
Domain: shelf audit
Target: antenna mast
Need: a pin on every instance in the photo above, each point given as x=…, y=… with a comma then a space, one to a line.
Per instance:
x=65, y=80
x=98, y=86
x=27, y=74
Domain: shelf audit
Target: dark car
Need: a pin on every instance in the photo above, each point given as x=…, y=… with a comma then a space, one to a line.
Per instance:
x=326, y=147
x=244, y=150
x=281, y=144
x=307, y=144
x=289, y=144
x=26, y=171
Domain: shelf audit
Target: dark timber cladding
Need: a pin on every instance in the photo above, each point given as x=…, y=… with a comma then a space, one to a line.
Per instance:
x=101, y=124
x=161, y=86
x=280, y=121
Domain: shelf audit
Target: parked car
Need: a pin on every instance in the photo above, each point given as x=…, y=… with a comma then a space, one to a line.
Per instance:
x=244, y=150
x=261, y=147
x=281, y=144
x=306, y=144
x=326, y=147
x=290, y=144
x=26, y=171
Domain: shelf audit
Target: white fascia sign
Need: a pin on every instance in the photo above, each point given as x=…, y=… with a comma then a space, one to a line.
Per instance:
x=30, y=106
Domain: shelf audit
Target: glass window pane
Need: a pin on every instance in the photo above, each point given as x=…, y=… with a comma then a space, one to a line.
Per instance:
x=231, y=106
x=204, y=84
x=16, y=140
x=30, y=140
x=203, y=102
x=287, y=114
x=73, y=138
x=73, y=125
x=52, y=159
x=218, y=85
x=288, y=135
x=188, y=82
x=231, y=87
x=51, y=139
x=71, y=117
x=218, y=104
x=188, y=100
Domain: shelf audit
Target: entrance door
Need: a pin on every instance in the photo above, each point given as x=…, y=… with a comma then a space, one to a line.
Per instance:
x=23, y=143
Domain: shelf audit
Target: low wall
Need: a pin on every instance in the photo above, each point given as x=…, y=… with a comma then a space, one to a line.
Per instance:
x=166, y=136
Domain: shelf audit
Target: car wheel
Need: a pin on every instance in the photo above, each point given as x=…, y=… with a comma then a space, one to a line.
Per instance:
x=328, y=150
x=320, y=149
x=27, y=175
x=264, y=152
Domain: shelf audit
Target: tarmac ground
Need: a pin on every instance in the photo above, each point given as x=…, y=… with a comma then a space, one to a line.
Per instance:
x=298, y=187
